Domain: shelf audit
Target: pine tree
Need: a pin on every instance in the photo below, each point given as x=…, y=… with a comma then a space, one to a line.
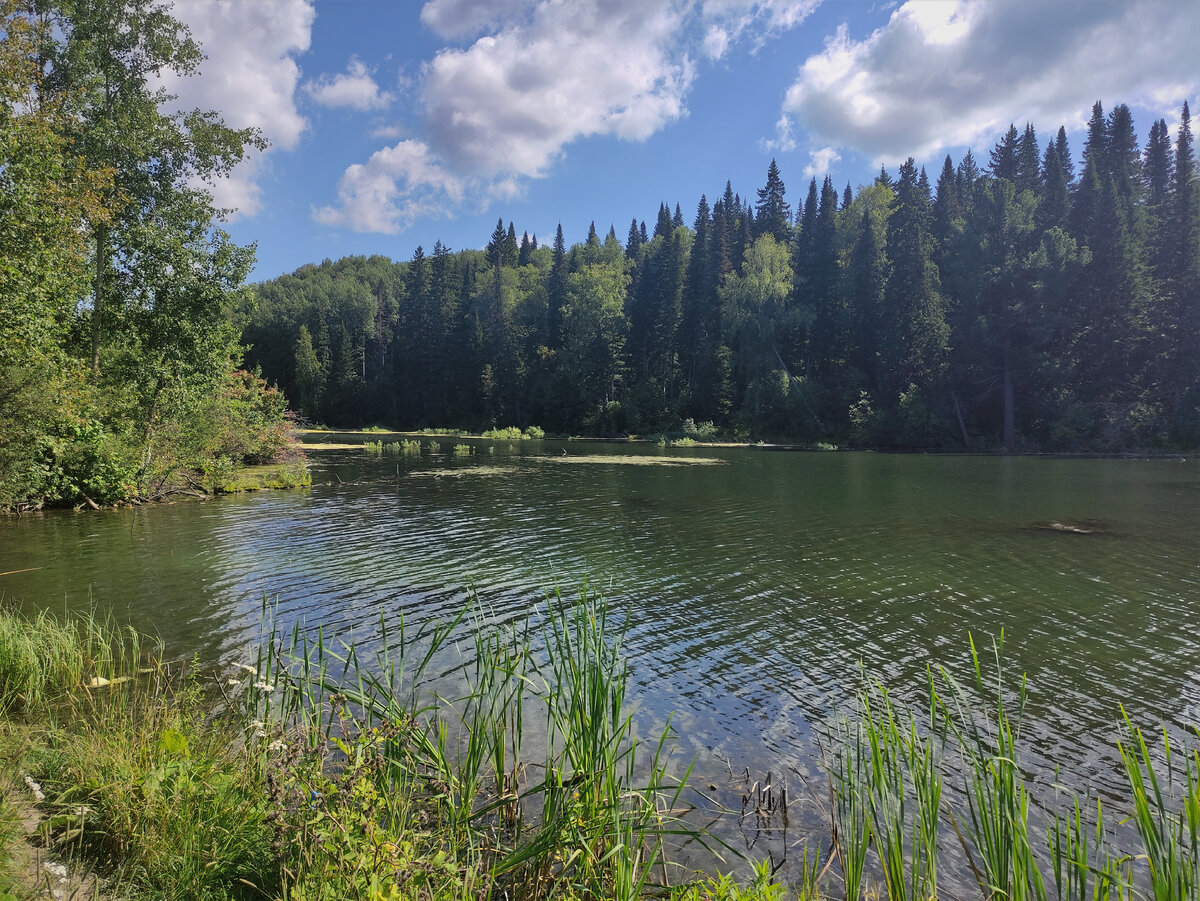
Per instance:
x=826, y=342
x=1185, y=222
x=700, y=327
x=495, y=249
x=847, y=197
x=772, y=209
x=633, y=242
x=663, y=226
x=1124, y=158
x=556, y=288
x=1004, y=155
x=1028, y=177
x=510, y=246
x=526, y=250
x=1063, y=150
x=1157, y=170
x=917, y=351
x=947, y=206
x=1095, y=149
x=968, y=178
x=868, y=273
x=1052, y=211
x=677, y=219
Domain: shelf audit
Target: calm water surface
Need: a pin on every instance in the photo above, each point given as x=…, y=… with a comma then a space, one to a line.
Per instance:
x=752, y=586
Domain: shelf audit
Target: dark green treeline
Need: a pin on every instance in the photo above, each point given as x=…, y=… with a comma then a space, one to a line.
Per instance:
x=1024, y=302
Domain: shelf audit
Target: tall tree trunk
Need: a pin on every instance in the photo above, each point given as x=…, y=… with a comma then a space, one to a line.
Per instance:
x=98, y=293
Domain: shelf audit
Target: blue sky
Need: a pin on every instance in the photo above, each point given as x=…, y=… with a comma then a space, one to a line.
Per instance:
x=399, y=123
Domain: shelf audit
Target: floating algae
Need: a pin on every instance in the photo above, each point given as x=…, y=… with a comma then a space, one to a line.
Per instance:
x=633, y=460
x=459, y=472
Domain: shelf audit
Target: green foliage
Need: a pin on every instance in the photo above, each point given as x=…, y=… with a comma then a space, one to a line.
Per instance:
x=510, y=433
x=118, y=295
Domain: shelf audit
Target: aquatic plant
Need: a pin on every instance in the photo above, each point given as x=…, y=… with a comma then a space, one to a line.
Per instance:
x=373, y=447
x=463, y=450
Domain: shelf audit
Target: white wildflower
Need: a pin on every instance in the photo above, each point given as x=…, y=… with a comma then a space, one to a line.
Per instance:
x=264, y=686
x=35, y=789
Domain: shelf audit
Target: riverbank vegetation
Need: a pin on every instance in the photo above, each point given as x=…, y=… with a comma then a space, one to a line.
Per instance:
x=314, y=772
x=1033, y=300
x=120, y=295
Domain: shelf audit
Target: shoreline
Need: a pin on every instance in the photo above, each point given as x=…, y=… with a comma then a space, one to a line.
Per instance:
x=434, y=435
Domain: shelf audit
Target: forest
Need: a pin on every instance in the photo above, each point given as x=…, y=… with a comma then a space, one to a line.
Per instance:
x=1023, y=303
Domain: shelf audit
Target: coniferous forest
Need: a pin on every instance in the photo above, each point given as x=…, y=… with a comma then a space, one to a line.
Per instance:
x=1029, y=301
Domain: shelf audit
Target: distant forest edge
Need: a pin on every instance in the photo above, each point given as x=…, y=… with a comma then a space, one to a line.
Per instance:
x=1020, y=305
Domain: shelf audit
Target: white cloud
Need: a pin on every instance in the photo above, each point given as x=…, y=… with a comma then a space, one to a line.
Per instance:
x=392, y=188
x=716, y=42
x=534, y=77
x=354, y=88
x=511, y=101
x=820, y=160
x=760, y=19
x=250, y=76
x=467, y=18
x=502, y=109
x=945, y=73
x=784, y=141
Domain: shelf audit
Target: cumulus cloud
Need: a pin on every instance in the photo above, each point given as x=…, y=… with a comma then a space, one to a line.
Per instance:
x=250, y=76
x=716, y=42
x=467, y=18
x=503, y=109
x=393, y=187
x=511, y=101
x=819, y=161
x=354, y=88
x=954, y=72
x=532, y=77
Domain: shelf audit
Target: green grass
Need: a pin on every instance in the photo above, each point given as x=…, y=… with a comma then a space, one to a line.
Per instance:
x=269, y=476
x=314, y=773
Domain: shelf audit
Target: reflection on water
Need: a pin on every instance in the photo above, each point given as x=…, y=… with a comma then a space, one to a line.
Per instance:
x=751, y=587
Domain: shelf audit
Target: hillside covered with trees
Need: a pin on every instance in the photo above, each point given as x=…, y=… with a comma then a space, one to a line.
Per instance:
x=1023, y=302
x=120, y=298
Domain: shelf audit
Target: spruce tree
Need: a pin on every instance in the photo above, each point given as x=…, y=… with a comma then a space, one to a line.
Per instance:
x=1063, y=150
x=1004, y=155
x=1124, y=158
x=633, y=241
x=1157, y=165
x=917, y=350
x=1184, y=222
x=495, y=249
x=662, y=225
x=1052, y=211
x=947, y=205
x=1028, y=177
x=772, y=209
x=510, y=246
x=556, y=288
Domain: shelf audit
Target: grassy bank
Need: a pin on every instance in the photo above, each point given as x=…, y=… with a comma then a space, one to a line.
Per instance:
x=311, y=773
